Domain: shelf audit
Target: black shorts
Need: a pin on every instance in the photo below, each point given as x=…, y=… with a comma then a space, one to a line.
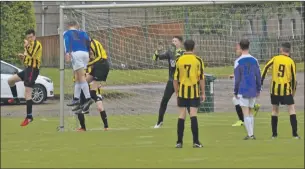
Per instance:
x=29, y=76
x=283, y=100
x=100, y=70
x=188, y=102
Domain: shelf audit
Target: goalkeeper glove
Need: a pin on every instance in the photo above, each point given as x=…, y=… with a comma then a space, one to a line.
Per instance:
x=156, y=55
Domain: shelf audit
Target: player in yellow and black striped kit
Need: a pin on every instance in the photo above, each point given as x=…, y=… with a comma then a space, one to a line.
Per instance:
x=96, y=73
x=31, y=59
x=283, y=87
x=188, y=82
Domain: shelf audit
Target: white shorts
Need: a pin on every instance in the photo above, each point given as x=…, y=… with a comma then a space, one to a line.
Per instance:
x=246, y=102
x=235, y=101
x=80, y=60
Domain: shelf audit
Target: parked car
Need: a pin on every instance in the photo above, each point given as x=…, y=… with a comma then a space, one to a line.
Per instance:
x=42, y=90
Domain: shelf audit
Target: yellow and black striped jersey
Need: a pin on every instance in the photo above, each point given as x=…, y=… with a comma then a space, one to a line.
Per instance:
x=98, y=51
x=33, y=54
x=283, y=75
x=188, y=73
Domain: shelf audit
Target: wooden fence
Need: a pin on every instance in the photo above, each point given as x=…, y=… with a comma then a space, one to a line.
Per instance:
x=134, y=46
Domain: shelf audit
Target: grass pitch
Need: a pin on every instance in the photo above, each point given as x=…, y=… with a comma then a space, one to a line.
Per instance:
x=133, y=143
x=130, y=77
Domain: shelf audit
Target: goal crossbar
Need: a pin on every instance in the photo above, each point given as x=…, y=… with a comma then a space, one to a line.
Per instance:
x=160, y=4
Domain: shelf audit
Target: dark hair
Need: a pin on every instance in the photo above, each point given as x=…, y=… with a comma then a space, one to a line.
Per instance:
x=244, y=44
x=72, y=23
x=30, y=31
x=189, y=45
x=286, y=47
x=179, y=38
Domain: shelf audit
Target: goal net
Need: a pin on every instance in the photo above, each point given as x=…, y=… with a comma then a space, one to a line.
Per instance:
x=131, y=33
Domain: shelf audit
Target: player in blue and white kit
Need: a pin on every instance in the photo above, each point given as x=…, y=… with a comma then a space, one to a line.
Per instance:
x=247, y=85
x=77, y=46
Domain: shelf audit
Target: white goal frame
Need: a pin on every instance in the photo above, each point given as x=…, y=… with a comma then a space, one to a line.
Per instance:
x=110, y=6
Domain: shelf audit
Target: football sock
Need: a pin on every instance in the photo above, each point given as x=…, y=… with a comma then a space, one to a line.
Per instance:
x=104, y=118
x=77, y=91
x=248, y=125
x=274, y=121
x=252, y=124
x=194, y=127
x=180, y=130
x=239, y=112
x=294, y=124
x=14, y=91
x=93, y=95
x=81, y=118
x=85, y=87
x=29, y=105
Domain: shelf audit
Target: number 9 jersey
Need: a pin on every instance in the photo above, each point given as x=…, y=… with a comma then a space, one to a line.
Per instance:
x=283, y=75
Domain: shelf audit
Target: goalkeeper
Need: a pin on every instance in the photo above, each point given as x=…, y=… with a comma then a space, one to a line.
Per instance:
x=97, y=72
x=170, y=55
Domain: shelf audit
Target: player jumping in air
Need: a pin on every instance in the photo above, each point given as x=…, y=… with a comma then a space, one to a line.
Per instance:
x=247, y=85
x=32, y=60
x=170, y=55
x=77, y=46
x=188, y=77
x=283, y=87
x=97, y=72
x=238, y=109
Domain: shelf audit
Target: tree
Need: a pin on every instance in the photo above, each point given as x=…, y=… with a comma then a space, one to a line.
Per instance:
x=16, y=18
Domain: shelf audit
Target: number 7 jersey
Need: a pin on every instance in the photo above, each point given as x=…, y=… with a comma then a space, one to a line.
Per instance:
x=188, y=73
x=283, y=75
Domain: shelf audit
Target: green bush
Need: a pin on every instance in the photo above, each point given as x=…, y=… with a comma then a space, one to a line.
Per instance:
x=16, y=18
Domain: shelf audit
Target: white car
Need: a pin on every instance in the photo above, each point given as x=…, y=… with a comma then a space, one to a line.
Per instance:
x=42, y=89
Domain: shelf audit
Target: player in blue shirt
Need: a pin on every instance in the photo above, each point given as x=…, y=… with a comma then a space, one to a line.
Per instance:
x=77, y=46
x=247, y=85
x=238, y=109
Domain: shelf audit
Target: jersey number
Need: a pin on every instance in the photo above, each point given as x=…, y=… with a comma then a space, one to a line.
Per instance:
x=281, y=70
x=248, y=69
x=188, y=68
x=75, y=35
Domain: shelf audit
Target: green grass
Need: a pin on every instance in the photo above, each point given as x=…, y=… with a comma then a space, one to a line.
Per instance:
x=129, y=77
x=132, y=143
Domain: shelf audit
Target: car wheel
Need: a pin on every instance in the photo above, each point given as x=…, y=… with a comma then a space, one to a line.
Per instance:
x=39, y=94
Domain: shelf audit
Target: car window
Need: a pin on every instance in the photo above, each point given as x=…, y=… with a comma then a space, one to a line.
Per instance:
x=7, y=69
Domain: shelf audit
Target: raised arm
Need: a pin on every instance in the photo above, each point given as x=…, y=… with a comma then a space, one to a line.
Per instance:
x=166, y=55
x=265, y=70
x=293, y=78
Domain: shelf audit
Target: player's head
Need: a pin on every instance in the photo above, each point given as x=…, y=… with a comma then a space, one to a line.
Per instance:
x=244, y=44
x=238, y=49
x=30, y=35
x=189, y=45
x=177, y=41
x=285, y=48
x=73, y=24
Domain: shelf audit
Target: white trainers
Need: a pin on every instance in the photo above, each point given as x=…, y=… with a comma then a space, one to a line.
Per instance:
x=158, y=125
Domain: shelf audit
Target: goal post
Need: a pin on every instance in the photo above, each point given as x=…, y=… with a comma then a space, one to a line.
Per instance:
x=130, y=33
